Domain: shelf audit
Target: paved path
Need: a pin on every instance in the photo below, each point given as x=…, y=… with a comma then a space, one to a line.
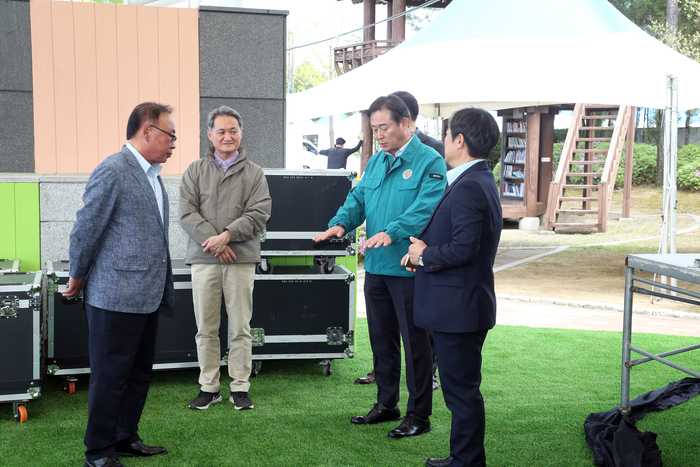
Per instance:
x=548, y=313
x=518, y=247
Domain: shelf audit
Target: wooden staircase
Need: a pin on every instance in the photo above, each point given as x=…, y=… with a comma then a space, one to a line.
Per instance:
x=572, y=203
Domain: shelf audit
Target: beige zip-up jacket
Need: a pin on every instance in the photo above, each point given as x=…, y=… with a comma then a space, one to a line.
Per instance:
x=211, y=201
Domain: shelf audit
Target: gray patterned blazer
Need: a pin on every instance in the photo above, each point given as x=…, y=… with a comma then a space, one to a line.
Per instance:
x=119, y=242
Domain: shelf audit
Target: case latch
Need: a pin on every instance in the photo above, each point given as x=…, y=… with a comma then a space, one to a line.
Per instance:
x=258, y=337
x=8, y=306
x=335, y=336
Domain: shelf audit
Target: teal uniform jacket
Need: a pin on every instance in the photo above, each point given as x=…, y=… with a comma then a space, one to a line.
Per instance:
x=398, y=202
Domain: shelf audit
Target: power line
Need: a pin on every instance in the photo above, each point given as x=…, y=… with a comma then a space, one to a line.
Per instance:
x=368, y=26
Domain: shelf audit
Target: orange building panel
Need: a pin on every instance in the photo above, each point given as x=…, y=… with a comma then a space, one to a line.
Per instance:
x=93, y=63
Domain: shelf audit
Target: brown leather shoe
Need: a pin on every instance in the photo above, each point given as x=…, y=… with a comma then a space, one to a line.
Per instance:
x=369, y=379
x=436, y=385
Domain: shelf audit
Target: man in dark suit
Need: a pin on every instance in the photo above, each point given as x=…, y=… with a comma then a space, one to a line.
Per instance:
x=414, y=110
x=338, y=155
x=119, y=258
x=454, y=296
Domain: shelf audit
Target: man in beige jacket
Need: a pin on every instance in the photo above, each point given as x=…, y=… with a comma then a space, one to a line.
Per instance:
x=224, y=205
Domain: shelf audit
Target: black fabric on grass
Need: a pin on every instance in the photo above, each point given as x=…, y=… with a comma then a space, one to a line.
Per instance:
x=618, y=443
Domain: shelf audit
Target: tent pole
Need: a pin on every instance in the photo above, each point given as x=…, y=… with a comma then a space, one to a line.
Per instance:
x=673, y=155
x=673, y=158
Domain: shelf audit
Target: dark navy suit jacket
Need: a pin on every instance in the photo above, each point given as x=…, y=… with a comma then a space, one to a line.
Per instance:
x=455, y=287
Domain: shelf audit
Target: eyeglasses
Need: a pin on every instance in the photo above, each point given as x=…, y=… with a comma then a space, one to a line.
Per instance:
x=173, y=138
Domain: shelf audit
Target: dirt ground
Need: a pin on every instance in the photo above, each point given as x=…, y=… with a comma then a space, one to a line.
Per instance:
x=592, y=268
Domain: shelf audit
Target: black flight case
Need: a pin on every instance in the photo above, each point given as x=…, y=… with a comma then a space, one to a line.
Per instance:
x=22, y=364
x=67, y=342
x=303, y=201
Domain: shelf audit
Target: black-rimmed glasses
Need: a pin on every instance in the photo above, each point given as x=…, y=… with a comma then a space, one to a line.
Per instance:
x=173, y=138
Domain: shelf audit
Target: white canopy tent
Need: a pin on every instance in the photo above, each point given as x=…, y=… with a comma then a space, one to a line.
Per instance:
x=514, y=53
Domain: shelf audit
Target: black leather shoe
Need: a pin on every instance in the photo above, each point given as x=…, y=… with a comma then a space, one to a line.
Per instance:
x=412, y=425
x=378, y=414
x=439, y=462
x=109, y=461
x=138, y=449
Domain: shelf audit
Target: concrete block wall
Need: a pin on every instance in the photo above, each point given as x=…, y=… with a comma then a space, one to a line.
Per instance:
x=242, y=65
x=60, y=198
x=16, y=102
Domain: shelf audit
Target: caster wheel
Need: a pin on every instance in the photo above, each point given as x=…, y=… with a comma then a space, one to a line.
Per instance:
x=328, y=268
x=265, y=267
x=327, y=371
x=70, y=387
x=255, y=371
x=21, y=414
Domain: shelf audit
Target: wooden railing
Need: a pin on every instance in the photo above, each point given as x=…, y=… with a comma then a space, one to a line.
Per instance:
x=351, y=56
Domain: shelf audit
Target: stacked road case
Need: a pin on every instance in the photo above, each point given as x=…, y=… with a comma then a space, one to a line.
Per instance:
x=298, y=311
x=22, y=364
x=303, y=201
x=67, y=341
x=9, y=265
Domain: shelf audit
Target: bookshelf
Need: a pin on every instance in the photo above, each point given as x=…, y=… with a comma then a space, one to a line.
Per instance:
x=513, y=157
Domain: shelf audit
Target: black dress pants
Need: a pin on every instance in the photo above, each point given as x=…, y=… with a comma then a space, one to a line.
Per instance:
x=459, y=362
x=389, y=301
x=121, y=347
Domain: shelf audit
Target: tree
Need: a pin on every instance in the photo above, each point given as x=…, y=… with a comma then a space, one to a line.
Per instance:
x=676, y=23
x=307, y=76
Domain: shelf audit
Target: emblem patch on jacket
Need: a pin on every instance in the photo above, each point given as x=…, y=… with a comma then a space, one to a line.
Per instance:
x=408, y=173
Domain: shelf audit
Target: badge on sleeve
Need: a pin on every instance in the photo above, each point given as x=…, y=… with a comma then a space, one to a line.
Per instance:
x=438, y=176
x=408, y=173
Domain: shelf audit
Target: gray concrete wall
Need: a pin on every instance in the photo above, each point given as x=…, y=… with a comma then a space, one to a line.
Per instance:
x=16, y=104
x=242, y=65
x=60, y=197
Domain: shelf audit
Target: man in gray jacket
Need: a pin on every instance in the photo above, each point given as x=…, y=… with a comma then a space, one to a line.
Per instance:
x=119, y=258
x=224, y=205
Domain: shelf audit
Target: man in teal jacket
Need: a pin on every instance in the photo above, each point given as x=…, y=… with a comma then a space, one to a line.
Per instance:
x=400, y=187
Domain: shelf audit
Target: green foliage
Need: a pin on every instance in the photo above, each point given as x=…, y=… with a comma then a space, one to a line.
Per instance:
x=688, y=167
x=360, y=239
x=306, y=76
x=560, y=135
x=643, y=166
x=650, y=15
x=495, y=156
x=497, y=172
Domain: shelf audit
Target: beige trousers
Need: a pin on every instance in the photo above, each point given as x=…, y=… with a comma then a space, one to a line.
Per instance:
x=236, y=283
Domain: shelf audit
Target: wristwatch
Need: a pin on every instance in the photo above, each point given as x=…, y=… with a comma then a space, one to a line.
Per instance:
x=420, y=260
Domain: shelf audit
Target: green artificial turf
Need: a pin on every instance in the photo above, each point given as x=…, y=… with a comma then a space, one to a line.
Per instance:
x=538, y=384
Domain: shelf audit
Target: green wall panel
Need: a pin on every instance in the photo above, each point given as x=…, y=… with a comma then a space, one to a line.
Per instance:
x=21, y=229
x=7, y=214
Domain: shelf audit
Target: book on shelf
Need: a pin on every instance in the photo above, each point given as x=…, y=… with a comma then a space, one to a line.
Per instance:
x=515, y=142
x=516, y=127
x=513, y=189
x=515, y=157
x=513, y=171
